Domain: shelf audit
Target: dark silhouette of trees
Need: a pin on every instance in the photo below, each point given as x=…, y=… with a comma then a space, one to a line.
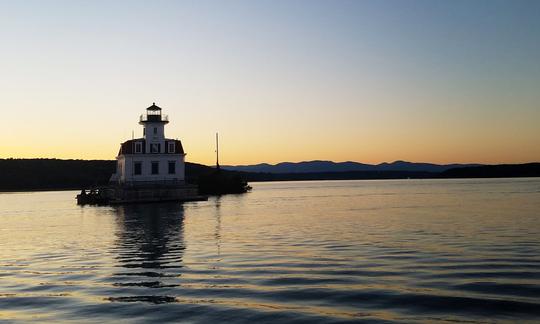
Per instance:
x=55, y=174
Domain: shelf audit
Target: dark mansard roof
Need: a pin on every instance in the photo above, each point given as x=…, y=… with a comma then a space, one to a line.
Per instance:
x=128, y=147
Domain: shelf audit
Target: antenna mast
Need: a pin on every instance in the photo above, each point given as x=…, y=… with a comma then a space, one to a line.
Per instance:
x=217, y=151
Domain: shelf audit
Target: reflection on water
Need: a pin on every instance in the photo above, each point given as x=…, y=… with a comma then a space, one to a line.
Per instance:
x=331, y=251
x=150, y=245
x=150, y=236
x=217, y=234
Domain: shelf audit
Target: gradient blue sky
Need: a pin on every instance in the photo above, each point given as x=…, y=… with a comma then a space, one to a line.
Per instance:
x=369, y=81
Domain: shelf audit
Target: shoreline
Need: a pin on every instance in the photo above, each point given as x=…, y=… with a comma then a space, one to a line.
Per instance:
x=2, y=191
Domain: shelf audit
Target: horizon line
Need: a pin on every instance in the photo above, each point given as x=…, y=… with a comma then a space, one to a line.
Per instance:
x=277, y=163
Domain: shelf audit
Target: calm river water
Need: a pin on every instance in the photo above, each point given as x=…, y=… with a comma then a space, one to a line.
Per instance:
x=329, y=251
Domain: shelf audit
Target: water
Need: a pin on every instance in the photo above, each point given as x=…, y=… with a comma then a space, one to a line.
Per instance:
x=330, y=251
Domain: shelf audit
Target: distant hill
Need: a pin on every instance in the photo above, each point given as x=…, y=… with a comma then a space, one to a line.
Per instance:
x=345, y=175
x=329, y=166
x=484, y=171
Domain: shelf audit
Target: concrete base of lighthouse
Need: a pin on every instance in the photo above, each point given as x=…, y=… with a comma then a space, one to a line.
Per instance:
x=154, y=193
x=140, y=193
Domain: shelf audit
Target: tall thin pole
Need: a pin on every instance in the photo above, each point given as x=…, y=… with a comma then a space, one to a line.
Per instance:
x=217, y=151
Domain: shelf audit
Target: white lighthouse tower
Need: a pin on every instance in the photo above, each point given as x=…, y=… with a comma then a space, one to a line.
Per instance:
x=152, y=159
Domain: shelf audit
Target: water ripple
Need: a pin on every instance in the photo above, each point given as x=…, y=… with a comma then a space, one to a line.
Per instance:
x=411, y=251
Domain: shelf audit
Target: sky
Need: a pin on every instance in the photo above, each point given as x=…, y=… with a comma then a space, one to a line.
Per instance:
x=367, y=81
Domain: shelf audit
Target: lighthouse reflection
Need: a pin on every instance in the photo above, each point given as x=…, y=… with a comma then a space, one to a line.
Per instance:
x=150, y=243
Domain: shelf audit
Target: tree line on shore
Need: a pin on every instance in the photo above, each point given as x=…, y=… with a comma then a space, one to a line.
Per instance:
x=56, y=174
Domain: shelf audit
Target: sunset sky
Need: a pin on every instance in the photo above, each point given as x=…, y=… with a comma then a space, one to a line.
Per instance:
x=368, y=81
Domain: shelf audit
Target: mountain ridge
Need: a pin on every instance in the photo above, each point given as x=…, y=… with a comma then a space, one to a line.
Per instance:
x=347, y=166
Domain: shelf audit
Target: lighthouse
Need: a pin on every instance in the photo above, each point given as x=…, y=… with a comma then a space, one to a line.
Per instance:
x=148, y=169
x=153, y=158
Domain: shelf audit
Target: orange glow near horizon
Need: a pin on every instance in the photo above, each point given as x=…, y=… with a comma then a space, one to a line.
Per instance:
x=252, y=147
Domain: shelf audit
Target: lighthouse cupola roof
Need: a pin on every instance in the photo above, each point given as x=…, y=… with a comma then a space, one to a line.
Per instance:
x=153, y=107
x=153, y=115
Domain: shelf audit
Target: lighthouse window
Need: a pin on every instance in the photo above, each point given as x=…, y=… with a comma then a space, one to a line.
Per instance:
x=171, y=147
x=138, y=147
x=155, y=148
x=155, y=130
x=172, y=167
x=137, y=169
x=155, y=167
